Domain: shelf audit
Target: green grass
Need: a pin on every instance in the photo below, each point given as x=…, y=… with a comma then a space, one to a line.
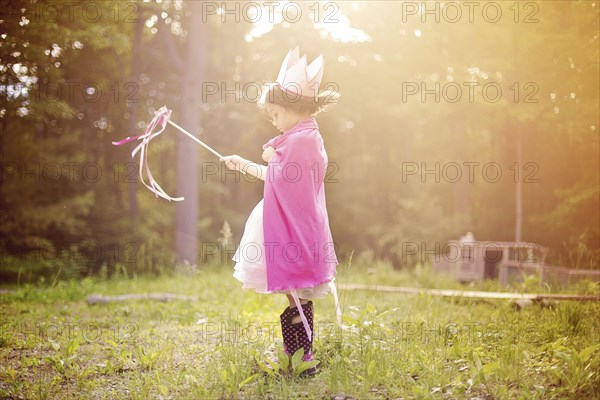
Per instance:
x=54, y=345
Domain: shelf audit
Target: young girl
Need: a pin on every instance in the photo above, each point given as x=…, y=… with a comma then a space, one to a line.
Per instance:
x=287, y=245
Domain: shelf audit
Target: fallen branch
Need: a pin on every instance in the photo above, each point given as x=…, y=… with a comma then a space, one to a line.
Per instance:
x=100, y=299
x=470, y=294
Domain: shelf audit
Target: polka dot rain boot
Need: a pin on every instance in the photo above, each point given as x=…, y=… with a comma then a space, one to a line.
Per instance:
x=295, y=336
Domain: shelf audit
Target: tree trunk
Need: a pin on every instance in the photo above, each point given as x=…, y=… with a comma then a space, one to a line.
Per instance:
x=135, y=76
x=519, y=185
x=186, y=237
x=462, y=188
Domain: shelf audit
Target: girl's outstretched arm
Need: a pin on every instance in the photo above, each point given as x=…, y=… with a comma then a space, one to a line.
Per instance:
x=238, y=163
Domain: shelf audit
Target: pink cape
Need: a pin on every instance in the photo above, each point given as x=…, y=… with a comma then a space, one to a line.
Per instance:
x=299, y=248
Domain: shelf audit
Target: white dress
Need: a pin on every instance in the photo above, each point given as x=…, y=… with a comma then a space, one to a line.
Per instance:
x=251, y=268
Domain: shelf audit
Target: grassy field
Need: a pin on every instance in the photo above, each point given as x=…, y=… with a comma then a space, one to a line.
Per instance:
x=53, y=345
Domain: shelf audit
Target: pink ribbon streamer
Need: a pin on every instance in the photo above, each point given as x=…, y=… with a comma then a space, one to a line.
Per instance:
x=161, y=117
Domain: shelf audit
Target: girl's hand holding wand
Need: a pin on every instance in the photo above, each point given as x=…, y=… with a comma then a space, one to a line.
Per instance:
x=238, y=163
x=234, y=162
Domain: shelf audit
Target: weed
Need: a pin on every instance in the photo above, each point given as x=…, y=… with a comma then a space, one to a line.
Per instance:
x=53, y=345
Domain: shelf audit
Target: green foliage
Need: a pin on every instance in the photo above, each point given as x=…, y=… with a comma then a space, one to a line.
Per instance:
x=56, y=346
x=117, y=227
x=577, y=370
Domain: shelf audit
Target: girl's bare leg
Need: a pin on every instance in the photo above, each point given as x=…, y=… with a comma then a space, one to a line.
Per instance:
x=297, y=318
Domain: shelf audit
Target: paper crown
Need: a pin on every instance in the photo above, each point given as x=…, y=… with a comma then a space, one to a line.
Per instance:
x=299, y=79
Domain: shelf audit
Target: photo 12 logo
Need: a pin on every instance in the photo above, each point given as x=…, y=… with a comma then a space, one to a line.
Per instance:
x=253, y=252
x=126, y=252
x=89, y=332
x=272, y=11
x=471, y=171
x=74, y=92
x=51, y=172
x=470, y=91
x=253, y=92
x=453, y=12
x=59, y=11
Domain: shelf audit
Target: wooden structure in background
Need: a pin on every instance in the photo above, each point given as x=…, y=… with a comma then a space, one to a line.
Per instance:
x=468, y=260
